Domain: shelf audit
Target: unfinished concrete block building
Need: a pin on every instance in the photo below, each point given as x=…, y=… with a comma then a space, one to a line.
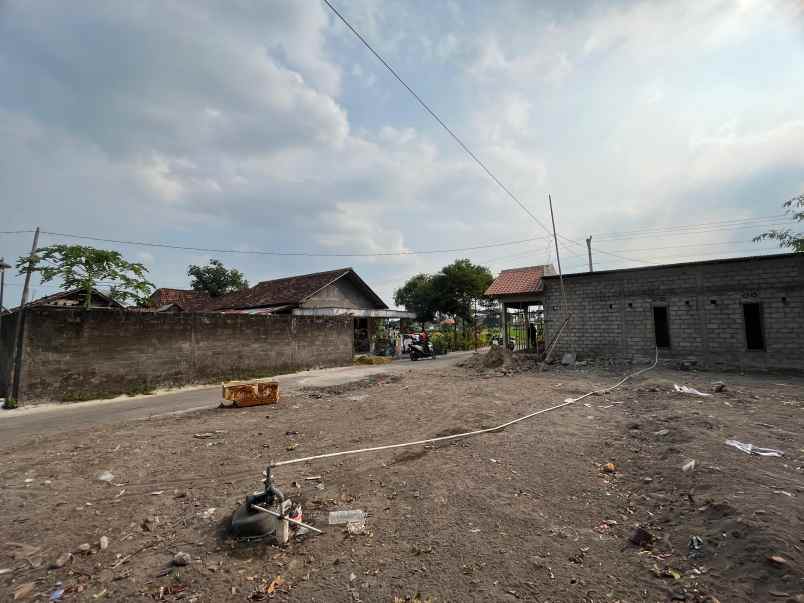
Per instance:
x=731, y=313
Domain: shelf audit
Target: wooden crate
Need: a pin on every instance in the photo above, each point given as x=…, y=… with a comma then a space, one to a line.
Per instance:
x=252, y=394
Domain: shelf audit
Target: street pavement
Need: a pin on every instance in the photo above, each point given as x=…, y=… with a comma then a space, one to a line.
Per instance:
x=43, y=419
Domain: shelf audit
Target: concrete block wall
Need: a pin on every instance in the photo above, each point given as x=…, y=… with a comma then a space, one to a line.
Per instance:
x=73, y=354
x=613, y=311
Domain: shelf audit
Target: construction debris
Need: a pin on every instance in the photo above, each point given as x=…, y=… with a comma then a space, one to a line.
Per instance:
x=251, y=394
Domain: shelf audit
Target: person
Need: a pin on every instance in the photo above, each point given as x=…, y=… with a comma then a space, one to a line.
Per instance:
x=531, y=336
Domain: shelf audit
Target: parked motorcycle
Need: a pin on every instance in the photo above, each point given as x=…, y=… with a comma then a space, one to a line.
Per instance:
x=419, y=349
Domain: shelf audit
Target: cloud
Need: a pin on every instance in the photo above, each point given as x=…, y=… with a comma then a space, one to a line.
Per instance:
x=267, y=126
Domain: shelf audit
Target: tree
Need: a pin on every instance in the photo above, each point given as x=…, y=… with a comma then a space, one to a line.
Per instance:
x=417, y=295
x=458, y=286
x=216, y=279
x=85, y=268
x=452, y=291
x=787, y=238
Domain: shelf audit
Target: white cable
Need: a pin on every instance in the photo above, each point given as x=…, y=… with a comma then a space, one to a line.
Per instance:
x=468, y=433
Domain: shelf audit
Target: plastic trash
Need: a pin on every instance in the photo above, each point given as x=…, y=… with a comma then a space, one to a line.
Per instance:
x=689, y=390
x=105, y=476
x=352, y=516
x=751, y=449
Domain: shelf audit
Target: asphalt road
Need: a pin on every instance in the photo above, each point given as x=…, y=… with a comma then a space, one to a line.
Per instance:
x=43, y=419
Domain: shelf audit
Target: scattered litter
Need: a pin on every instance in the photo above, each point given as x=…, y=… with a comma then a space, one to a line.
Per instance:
x=609, y=468
x=29, y=480
x=208, y=513
x=313, y=478
x=181, y=559
x=569, y=400
x=641, y=537
x=778, y=560
x=119, y=494
x=751, y=449
x=785, y=492
x=494, y=460
x=84, y=548
x=291, y=446
x=667, y=572
x=105, y=476
x=688, y=390
x=275, y=583
x=695, y=546
x=475, y=530
x=718, y=386
x=661, y=432
x=203, y=436
x=688, y=466
x=100, y=594
x=5, y=570
x=57, y=593
x=356, y=528
x=157, y=492
x=104, y=543
x=350, y=516
x=352, y=577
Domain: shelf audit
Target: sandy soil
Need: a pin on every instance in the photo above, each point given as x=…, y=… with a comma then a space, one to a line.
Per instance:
x=531, y=513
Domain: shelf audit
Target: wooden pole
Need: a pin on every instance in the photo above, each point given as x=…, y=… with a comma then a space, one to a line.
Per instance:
x=589, y=251
x=16, y=359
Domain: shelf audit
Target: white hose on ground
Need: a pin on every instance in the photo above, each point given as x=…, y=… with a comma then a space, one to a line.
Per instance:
x=468, y=433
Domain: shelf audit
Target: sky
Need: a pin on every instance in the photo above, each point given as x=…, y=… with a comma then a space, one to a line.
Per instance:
x=668, y=131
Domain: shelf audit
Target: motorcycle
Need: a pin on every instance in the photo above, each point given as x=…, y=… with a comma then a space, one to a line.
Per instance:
x=419, y=349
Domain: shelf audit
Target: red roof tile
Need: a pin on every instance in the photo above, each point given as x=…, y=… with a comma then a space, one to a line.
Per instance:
x=288, y=291
x=519, y=281
x=188, y=300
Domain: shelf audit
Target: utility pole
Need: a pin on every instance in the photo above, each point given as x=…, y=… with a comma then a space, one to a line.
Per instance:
x=3, y=268
x=589, y=250
x=15, y=365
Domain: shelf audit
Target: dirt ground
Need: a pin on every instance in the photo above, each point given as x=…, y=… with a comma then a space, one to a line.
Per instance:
x=531, y=513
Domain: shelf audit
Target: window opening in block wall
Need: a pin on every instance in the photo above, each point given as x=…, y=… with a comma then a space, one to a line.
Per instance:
x=661, y=326
x=752, y=317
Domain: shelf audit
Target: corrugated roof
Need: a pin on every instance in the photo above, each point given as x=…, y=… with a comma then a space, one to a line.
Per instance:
x=519, y=281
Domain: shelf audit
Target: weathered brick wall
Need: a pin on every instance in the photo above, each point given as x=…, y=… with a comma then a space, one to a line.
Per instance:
x=77, y=354
x=7, y=327
x=613, y=312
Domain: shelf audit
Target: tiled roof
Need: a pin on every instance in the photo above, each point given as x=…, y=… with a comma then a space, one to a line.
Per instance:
x=519, y=281
x=76, y=296
x=291, y=290
x=188, y=300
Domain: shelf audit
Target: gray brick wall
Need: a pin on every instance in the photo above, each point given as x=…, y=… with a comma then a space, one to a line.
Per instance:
x=613, y=312
x=75, y=354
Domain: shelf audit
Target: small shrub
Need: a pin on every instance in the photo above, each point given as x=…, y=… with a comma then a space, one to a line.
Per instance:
x=10, y=404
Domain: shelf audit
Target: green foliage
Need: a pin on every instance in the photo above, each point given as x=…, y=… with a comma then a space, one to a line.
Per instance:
x=10, y=404
x=216, y=279
x=787, y=238
x=84, y=268
x=418, y=295
x=450, y=292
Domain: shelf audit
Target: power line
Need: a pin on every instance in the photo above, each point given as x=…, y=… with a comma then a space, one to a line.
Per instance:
x=455, y=137
x=440, y=121
x=292, y=253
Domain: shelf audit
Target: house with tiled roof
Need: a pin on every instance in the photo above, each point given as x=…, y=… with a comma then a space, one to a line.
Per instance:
x=520, y=292
x=179, y=300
